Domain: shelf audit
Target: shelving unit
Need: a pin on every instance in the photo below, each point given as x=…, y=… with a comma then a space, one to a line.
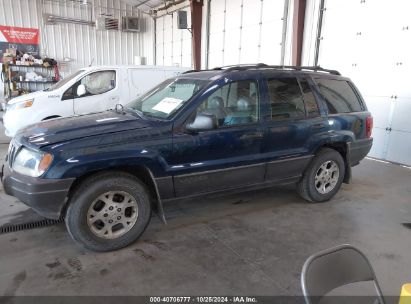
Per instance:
x=25, y=86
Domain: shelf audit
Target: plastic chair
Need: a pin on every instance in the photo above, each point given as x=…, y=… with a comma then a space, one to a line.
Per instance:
x=335, y=267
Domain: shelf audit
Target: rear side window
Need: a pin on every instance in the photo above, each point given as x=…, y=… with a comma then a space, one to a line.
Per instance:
x=339, y=96
x=311, y=105
x=285, y=98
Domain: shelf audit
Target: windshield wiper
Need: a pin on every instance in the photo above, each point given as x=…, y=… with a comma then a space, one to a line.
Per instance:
x=138, y=112
x=150, y=114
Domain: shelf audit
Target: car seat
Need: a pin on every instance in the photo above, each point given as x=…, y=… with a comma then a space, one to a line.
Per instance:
x=215, y=106
x=242, y=114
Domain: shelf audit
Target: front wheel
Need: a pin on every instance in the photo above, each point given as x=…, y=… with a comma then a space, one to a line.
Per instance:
x=323, y=177
x=108, y=211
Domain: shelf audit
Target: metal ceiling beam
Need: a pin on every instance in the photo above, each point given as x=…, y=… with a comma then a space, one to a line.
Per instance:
x=138, y=3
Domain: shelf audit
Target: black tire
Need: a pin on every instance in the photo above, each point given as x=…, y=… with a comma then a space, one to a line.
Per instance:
x=86, y=194
x=307, y=186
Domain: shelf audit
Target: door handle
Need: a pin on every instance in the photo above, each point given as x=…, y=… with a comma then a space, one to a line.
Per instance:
x=256, y=135
x=115, y=98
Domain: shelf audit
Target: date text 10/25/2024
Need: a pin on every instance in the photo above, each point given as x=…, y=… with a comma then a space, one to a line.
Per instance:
x=206, y=299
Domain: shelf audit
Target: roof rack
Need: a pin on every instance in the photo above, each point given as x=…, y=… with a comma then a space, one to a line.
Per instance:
x=308, y=68
x=190, y=71
x=243, y=67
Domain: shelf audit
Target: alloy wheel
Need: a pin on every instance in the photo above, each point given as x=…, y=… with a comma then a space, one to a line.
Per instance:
x=326, y=177
x=112, y=214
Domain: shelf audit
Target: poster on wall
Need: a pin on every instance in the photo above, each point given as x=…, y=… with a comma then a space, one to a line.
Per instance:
x=25, y=40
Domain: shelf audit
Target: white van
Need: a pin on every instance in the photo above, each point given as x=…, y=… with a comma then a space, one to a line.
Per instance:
x=88, y=90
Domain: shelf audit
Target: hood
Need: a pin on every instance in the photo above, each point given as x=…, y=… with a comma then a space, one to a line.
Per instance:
x=25, y=97
x=64, y=129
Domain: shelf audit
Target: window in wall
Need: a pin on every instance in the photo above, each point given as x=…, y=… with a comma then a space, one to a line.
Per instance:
x=285, y=98
x=339, y=96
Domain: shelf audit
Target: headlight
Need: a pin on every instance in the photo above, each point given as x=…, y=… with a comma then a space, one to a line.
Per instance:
x=21, y=105
x=31, y=163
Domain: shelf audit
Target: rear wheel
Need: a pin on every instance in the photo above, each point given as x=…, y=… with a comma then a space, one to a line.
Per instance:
x=323, y=177
x=108, y=211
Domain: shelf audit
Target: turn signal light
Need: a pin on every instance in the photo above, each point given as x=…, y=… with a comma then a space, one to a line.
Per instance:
x=45, y=162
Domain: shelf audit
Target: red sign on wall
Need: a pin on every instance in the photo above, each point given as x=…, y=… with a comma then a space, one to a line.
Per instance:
x=23, y=35
x=25, y=40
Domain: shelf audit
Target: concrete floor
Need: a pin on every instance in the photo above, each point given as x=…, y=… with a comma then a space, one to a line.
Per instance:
x=253, y=243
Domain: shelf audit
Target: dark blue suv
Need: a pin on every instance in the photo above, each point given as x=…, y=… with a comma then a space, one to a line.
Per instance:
x=239, y=127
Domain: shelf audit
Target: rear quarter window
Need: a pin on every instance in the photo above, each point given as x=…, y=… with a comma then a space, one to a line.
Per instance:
x=339, y=96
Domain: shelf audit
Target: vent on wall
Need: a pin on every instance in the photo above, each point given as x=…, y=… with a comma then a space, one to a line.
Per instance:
x=131, y=24
x=104, y=23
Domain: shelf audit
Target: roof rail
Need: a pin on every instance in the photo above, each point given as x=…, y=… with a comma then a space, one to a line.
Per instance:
x=242, y=67
x=190, y=71
x=308, y=68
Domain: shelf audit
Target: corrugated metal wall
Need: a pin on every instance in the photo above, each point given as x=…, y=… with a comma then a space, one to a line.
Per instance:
x=247, y=31
x=82, y=43
x=173, y=46
x=374, y=50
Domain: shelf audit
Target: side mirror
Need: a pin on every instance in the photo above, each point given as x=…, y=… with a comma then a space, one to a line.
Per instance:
x=81, y=90
x=202, y=122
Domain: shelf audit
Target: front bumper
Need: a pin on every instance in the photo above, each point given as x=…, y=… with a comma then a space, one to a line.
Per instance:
x=45, y=196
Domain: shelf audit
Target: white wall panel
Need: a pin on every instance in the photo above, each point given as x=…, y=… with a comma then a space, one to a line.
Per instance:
x=173, y=45
x=370, y=42
x=245, y=31
x=82, y=43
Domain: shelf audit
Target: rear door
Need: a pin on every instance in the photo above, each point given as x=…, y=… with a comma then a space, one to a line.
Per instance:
x=228, y=156
x=291, y=122
x=102, y=92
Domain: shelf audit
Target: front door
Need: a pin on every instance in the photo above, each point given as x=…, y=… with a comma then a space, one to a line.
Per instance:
x=228, y=156
x=102, y=92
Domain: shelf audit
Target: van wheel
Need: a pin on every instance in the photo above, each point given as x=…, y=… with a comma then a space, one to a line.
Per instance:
x=108, y=211
x=323, y=177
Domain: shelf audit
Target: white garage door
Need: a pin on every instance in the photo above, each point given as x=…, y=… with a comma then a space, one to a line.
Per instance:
x=173, y=46
x=370, y=42
x=245, y=31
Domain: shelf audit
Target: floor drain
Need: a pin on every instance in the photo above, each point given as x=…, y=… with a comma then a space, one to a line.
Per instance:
x=30, y=225
x=407, y=225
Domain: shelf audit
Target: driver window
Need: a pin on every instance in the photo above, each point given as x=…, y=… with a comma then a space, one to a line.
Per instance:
x=234, y=104
x=99, y=82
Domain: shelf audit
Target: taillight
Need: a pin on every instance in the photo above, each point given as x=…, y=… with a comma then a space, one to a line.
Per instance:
x=368, y=126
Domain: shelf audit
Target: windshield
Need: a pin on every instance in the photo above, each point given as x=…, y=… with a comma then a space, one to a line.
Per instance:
x=165, y=99
x=62, y=82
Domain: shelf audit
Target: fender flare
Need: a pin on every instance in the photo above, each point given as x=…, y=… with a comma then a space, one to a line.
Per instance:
x=160, y=208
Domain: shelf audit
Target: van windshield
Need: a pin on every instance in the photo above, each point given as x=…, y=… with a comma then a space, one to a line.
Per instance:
x=62, y=82
x=167, y=98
